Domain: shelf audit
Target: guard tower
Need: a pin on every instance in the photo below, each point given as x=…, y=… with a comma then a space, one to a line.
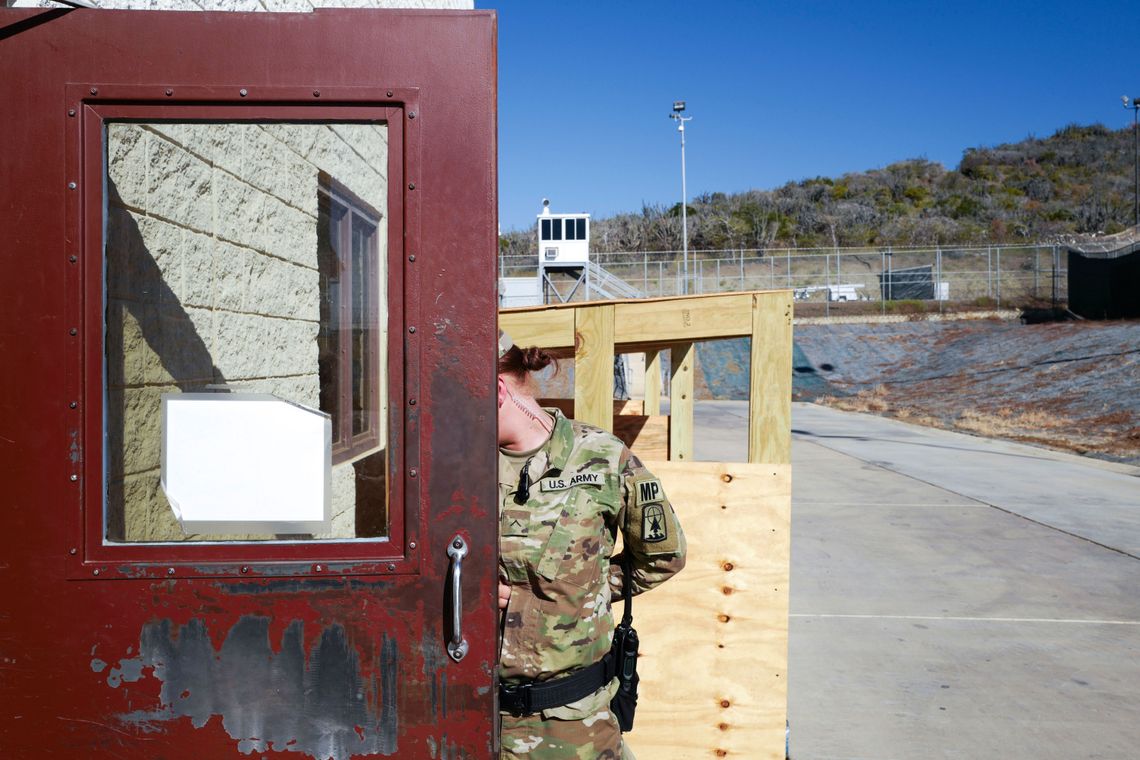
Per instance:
x=563, y=249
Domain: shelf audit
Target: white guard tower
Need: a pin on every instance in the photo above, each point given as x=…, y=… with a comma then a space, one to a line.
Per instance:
x=563, y=247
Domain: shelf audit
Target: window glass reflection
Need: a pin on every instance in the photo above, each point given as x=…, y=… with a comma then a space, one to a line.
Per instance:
x=246, y=257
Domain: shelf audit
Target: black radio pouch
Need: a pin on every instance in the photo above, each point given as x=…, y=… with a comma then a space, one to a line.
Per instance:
x=624, y=650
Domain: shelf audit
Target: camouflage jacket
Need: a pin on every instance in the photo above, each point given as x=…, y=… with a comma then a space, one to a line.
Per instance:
x=557, y=552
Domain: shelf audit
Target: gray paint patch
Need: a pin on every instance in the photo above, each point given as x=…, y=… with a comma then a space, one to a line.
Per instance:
x=98, y=666
x=320, y=705
x=127, y=670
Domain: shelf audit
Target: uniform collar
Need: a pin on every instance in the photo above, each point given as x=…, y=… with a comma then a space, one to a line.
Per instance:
x=561, y=443
x=552, y=458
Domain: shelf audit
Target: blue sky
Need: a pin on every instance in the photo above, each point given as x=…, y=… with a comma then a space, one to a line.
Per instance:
x=781, y=91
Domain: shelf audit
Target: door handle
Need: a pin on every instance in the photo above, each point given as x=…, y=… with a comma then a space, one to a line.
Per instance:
x=457, y=550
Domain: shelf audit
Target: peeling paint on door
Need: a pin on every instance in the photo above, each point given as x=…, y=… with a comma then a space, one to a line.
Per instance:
x=318, y=703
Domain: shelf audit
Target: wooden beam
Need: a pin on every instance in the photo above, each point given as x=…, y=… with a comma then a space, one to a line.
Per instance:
x=646, y=435
x=621, y=406
x=681, y=384
x=714, y=639
x=725, y=315
x=633, y=406
x=594, y=365
x=653, y=382
x=546, y=328
x=770, y=379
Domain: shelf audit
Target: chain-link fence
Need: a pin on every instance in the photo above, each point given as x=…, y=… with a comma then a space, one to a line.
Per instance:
x=977, y=276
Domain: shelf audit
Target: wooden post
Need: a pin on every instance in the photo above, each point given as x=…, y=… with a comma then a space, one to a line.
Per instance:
x=594, y=365
x=652, y=382
x=770, y=379
x=682, y=357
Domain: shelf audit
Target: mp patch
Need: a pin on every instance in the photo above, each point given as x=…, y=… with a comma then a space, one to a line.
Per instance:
x=652, y=518
x=649, y=491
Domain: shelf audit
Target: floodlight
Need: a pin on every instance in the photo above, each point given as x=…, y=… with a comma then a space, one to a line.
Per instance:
x=678, y=106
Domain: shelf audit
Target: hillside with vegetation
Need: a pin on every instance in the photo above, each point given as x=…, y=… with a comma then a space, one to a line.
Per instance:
x=1077, y=181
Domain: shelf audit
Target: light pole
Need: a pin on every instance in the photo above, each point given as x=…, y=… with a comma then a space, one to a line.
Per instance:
x=678, y=108
x=1131, y=103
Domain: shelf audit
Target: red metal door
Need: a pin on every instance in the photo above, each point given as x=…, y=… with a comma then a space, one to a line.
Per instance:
x=300, y=206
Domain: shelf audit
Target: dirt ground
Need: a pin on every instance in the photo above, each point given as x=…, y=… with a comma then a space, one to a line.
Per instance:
x=1067, y=385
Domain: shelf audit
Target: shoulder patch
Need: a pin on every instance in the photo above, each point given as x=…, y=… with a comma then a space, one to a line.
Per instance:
x=651, y=521
x=654, y=525
x=649, y=491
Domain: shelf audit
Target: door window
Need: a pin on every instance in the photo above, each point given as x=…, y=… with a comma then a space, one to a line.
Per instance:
x=246, y=258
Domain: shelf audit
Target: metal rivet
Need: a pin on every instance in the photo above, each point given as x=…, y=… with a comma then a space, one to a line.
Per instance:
x=169, y=92
x=73, y=259
x=170, y=571
x=94, y=90
x=95, y=571
x=412, y=329
x=71, y=185
x=391, y=568
x=411, y=402
x=411, y=114
x=412, y=257
x=389, y=93
x=73, y=550
x=316, y=93
x=243, y=92
x=73, y=404
x=245, y=568
x=73, y=331
x=71, y=112
x=411, y=545
x=413, y=472
x=457, y=543
x=74, y=478
x=411, y=185
x=318, y=568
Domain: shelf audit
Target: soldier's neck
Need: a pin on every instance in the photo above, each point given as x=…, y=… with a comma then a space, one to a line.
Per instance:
x=531, y=426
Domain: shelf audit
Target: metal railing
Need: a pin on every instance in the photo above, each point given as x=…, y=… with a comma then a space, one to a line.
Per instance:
x=613, y=286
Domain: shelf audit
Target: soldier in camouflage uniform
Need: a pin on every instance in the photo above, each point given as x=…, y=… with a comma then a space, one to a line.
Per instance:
x=565, y=490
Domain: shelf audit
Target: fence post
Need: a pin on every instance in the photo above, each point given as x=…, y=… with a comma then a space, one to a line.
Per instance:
x=1036, y=267
x=999, y=277
x=938, y=279
x=1056, y=260
x=827, y=284
x=882, y=282
x=989, y=271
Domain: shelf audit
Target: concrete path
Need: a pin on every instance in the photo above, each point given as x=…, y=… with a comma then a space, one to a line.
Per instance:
x=952, y=596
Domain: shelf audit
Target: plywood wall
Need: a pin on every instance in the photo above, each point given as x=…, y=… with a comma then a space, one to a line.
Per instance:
x=714, y=639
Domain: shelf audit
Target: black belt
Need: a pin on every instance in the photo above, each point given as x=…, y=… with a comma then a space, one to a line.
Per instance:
x=528, y=698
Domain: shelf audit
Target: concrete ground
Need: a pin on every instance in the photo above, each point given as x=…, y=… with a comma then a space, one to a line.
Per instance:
x=953, y=596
